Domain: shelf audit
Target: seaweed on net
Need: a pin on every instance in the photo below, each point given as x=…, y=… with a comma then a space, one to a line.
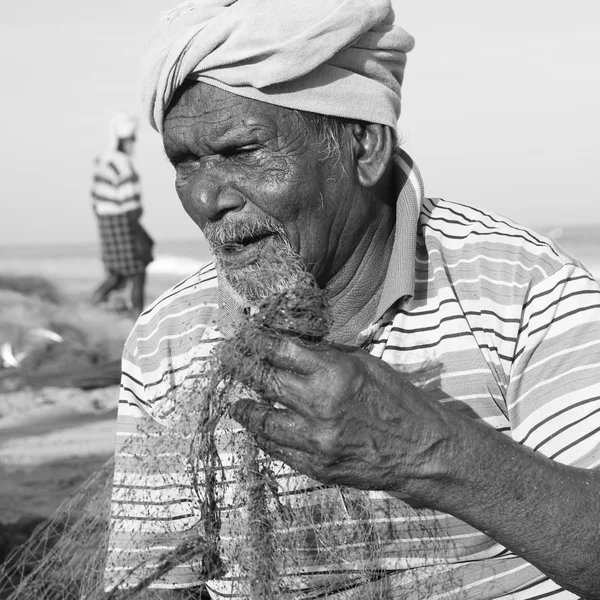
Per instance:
x=228, y=511
x=301, y=314
x=204, y=433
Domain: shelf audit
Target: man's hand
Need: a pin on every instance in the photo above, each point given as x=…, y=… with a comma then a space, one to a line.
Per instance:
x=350, y=419
x=347, y=418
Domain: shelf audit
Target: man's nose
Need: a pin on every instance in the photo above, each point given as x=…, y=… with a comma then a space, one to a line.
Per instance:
x=213, y=199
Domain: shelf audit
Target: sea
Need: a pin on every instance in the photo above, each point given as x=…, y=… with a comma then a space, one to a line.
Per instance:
x=77, y=269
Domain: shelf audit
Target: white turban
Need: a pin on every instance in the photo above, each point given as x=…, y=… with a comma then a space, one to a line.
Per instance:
x=122, y=126
x=342, y=58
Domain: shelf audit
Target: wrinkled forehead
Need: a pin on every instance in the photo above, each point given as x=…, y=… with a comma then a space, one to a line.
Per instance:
x=200, y=103
x=203, y=112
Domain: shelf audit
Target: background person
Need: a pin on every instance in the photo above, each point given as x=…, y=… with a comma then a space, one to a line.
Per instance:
x=116, y=198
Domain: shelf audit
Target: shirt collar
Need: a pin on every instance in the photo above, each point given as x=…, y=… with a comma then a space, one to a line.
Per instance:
x=400, y=277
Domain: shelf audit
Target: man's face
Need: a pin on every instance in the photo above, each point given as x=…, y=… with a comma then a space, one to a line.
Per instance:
x=253, y=177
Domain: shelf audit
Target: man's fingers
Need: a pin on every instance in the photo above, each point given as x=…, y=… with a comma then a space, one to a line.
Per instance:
x=278, y=427
x=289, y=390
x=290, y=355
x=299, y=460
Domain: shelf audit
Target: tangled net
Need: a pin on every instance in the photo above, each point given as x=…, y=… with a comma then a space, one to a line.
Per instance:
x=64, y=557
x=248, y=527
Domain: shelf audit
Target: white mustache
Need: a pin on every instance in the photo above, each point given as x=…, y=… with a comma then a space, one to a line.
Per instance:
x=231, y=233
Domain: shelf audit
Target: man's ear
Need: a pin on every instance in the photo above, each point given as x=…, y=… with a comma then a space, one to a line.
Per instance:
x=373, y=145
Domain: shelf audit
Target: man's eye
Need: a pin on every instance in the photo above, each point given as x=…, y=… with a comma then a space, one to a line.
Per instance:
x=184, y=169
x=185, y=166
x=240, y=150
x=183, y=160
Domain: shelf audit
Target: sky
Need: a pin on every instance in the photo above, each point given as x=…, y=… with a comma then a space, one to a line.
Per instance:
x=499, y=110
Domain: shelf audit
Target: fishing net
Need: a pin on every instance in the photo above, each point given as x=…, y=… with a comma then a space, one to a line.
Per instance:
x=65, y=555
x=231, y=516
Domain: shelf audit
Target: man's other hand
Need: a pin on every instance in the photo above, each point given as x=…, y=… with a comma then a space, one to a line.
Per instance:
x=343, y=417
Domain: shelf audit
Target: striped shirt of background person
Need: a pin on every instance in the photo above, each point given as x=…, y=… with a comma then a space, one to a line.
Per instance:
x=503, y=326
x=116, y=186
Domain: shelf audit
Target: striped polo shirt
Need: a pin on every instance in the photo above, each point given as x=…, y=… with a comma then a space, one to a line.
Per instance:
x=500, y=325
x=116, y=185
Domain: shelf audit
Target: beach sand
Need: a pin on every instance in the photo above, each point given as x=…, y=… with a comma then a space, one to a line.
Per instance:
x=54, y=435
x=52, y=440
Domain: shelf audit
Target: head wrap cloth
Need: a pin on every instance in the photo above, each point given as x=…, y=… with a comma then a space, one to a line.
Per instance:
x=123, y=126
x=342, y=58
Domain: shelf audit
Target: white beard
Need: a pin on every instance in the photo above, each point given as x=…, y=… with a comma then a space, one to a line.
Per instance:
x=278, y=267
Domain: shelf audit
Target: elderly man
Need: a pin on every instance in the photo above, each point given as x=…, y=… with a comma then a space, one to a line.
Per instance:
x=459, y=392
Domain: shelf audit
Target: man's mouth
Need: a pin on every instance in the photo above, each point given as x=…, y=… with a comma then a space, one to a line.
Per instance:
x=244, y=251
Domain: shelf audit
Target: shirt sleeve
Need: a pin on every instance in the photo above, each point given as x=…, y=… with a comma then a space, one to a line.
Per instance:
x=553, y=397
x=153, y=506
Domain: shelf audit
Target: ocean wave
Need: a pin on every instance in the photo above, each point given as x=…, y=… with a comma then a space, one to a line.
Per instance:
x=170, y=264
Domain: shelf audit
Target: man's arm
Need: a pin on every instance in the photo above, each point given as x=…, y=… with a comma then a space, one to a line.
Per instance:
x=351, y=419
